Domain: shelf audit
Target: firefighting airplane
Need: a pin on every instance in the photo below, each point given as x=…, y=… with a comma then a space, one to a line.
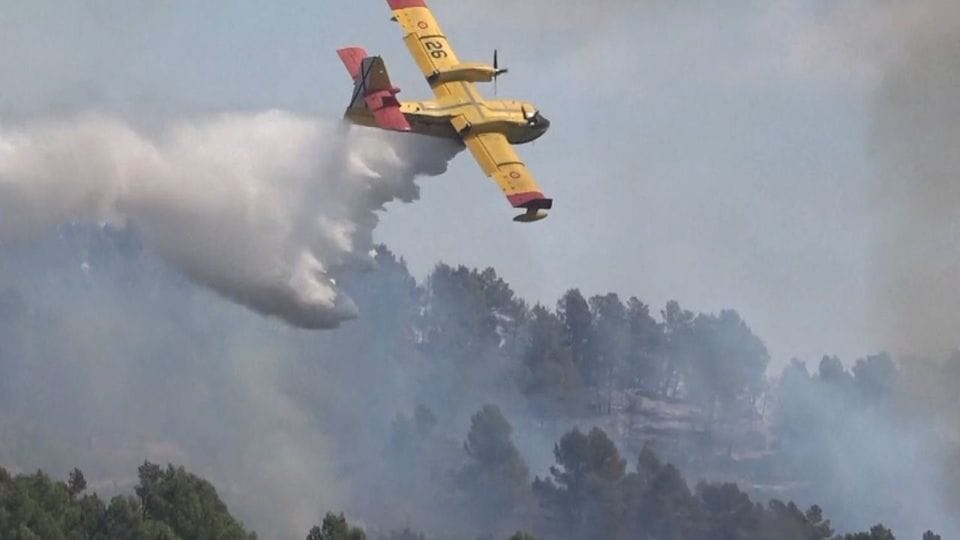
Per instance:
x=488, y=128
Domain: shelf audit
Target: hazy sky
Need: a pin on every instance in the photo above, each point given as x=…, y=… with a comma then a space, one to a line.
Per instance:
x=712, y=152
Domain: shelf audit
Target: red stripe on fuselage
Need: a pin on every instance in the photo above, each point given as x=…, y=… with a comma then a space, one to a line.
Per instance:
x=523, y=200
x=404, y=4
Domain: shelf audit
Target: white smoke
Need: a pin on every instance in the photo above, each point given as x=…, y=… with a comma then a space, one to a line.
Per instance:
x=268, y=209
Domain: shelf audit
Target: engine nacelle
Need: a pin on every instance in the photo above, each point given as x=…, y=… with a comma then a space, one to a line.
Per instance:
x=474, y=72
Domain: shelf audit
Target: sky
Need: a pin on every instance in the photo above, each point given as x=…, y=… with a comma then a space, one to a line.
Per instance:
x=716, y=153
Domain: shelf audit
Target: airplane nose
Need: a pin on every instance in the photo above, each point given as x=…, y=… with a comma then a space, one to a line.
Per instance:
x=542, y=121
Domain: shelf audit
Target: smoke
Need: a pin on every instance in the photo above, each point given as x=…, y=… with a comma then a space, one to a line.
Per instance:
x=859, y=452
x=272, y=210
x=109, y=357
x=906, y=51
x=915, y=134
x=268, y=209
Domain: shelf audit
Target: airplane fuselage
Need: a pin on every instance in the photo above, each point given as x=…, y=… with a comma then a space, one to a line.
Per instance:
x=453, y=117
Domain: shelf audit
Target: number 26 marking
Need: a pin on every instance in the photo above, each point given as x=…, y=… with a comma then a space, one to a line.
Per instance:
x=435, y=48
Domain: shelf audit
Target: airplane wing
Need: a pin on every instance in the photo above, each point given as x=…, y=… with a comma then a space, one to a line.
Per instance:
x=427, y=42
x=500, y=162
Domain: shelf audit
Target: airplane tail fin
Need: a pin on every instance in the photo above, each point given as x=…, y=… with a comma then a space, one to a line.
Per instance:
x=352, y=58
x=373, y=89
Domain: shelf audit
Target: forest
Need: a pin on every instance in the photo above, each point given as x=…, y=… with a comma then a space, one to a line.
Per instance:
x=452, y=408
x=589, y=494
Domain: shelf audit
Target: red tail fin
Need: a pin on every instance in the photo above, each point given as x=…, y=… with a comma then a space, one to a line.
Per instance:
x=353, y=60
x=373, y=90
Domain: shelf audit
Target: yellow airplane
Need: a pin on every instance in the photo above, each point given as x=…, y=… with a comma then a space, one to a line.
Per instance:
x=488, y=128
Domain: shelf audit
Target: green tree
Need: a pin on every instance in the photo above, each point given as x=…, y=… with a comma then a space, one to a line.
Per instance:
x=646, y=367
x=877, y=532
x=831, y=371
x=677, y=329
x=76, y=483
x=715, y=359
x=612, y=339
x=34, y=506
x=471, y=324
x=582, y=496
x=660, y=502
x=549, y=378
x=335, y=527
x=577, y=321
x=729, y=513
x=728, y=364
x=876, y=376
x=496, y=479
x=124, y=519
x=469, y=314
x=820, y=526
x=187, y=503
x=793, y=417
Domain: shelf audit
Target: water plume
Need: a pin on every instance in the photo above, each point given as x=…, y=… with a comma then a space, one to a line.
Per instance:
x=268, y=209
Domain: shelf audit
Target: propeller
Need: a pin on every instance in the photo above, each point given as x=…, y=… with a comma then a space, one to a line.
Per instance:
x=497, y=72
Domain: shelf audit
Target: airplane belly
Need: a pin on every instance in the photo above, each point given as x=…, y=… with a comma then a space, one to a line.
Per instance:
x=518, y=135
x=523, y=134
x=432, y=126
x=422, y=124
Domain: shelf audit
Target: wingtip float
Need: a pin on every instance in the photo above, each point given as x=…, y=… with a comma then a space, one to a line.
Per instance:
x=489, y=128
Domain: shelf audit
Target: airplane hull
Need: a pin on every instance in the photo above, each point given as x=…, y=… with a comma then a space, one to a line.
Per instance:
x=434, y=125
x=419, y=123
